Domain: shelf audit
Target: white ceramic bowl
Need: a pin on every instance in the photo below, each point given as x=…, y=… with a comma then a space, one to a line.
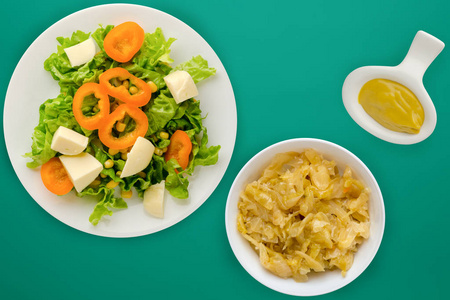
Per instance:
x=318, y=283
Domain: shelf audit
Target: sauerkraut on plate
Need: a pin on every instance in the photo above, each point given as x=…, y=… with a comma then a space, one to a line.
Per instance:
x=301, y=215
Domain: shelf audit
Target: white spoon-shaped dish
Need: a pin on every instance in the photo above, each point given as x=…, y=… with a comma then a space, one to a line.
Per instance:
x=424, y=49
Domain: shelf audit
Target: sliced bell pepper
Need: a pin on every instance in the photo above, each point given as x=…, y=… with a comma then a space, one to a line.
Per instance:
x=97, y=91
x=122, y=92
x=55, y=177
x=124, y=41
x=180, y=148
x=105, y=131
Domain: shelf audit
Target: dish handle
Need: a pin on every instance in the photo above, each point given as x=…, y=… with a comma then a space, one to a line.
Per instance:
x=424, y=49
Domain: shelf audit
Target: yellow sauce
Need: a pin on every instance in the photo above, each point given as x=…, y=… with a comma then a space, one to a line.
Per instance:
x=392, y=105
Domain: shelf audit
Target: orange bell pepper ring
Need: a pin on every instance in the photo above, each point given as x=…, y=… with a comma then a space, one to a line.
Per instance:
x=87, y=90
x=124, y=41
x=136, y=92
x=105, y=132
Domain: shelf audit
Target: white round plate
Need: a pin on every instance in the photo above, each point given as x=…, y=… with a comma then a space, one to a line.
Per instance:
x=318, y=283
x=21, y=115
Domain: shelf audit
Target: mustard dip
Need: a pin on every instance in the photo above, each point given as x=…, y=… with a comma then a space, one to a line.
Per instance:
x=392, y=105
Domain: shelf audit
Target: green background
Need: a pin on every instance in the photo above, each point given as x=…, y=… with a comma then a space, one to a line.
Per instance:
x=287, y=61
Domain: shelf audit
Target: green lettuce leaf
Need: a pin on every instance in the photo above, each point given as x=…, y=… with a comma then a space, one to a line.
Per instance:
x=100, y=34
x=198, y=68
x=176, y=184
x=104, y=195
x=77, y=37
x=146, y=75
x=58, y=63
x=107, y=200
x=204, y=155
x=159, y=112
x=154, y=50
x=155, y=173
x=52, y=114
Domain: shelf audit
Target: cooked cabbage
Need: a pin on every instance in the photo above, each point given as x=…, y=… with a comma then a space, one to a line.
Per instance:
x=301, y=215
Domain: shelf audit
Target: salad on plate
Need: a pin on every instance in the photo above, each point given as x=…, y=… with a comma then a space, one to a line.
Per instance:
x=125, y=122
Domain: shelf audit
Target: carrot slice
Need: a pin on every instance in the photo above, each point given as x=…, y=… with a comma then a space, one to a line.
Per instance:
x=55, y=177
x=180, y=148
x=124, y=41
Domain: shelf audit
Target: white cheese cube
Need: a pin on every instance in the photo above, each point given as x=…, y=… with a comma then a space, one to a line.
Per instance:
x=154, y=200
x=82, y=169
x=181, y=85
x=83, y=52
x=69, y=142
x=139, y=157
